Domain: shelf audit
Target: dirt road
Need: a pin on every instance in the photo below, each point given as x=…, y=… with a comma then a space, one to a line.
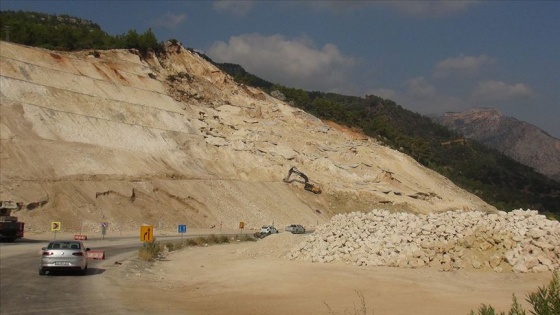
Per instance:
x=253, y=278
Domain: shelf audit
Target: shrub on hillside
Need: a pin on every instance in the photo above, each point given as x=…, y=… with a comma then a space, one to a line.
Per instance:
x=545, y=301
x=155, y=250
x=150, y=251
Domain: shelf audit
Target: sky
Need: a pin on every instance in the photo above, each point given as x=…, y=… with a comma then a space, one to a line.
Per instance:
x=429, y=57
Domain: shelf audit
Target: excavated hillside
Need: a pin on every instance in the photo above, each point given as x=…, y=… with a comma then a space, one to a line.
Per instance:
x=112, y=136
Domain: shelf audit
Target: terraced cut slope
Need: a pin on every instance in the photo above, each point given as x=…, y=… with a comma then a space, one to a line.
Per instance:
x=170, y=139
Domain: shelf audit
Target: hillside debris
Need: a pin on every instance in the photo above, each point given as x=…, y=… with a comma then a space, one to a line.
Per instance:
x=172, y=125
x=519, y=241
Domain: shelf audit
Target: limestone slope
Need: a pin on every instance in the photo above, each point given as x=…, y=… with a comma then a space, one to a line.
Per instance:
x=170, y=139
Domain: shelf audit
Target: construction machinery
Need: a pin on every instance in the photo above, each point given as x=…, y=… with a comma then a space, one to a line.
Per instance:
x=307, y=185
x=10, y=228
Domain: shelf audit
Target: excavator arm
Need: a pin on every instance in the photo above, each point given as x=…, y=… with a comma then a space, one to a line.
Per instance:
x=307, y=185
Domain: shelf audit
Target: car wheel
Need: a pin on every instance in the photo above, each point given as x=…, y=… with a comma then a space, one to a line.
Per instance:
x=84, y=271
x=42, y=272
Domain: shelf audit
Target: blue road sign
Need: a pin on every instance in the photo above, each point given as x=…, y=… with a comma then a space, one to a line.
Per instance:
x=181, y=228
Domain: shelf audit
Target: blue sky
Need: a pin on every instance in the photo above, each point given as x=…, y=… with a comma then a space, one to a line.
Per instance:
x=428, y=56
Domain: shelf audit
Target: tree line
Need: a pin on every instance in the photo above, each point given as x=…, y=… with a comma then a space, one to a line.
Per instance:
x=66, y=33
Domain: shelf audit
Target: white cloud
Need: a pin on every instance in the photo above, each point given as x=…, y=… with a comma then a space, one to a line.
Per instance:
x=492, y=91
x=170, y=20
x=420, y=88
x=431, y=8
x=291, y=62
x=236, y=7
x=461, y=66
x=420, y=96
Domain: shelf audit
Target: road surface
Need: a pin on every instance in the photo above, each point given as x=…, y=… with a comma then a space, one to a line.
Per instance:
x=23, y=291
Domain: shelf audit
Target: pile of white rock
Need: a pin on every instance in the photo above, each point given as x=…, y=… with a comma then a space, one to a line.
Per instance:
x=519, y=241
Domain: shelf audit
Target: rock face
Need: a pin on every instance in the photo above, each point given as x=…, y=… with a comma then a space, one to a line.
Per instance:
x=518, y=241
x=127, y=139
x=519, y=140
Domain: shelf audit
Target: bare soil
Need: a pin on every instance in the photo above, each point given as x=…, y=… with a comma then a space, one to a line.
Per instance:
x=254, y=277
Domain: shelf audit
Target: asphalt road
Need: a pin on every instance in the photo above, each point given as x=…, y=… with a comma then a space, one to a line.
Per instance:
x=24, y=291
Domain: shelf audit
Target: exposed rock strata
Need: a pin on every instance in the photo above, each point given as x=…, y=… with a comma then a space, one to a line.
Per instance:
x=194, y=146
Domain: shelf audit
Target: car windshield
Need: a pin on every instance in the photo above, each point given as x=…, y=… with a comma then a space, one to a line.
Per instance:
x=64, y=245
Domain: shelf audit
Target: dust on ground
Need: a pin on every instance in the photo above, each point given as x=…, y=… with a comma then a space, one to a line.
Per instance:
x=255, y=277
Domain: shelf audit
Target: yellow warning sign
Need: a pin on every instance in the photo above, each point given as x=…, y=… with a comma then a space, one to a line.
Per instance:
x=146, y=233
x=55, y=226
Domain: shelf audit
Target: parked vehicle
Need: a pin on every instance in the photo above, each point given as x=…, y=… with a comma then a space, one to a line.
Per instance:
x=64, y=255
x=295, y=229
x=268, y=229
x=10, y=228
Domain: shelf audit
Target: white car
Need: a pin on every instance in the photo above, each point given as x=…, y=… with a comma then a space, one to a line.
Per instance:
x=295, y=229
x=268, y=229
x=64, y=255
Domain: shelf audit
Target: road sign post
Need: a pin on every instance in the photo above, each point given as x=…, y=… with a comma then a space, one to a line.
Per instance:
x=182, y=229
x=104, y=226
x=55, y=227
x=146, y=233
x=241, y=226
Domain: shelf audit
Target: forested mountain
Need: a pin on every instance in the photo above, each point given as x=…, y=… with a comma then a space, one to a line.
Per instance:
x=486, y=172
x=491, y=175
x=520, y=140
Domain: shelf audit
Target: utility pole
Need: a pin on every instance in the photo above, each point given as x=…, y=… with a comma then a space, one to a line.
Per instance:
x=7, y=28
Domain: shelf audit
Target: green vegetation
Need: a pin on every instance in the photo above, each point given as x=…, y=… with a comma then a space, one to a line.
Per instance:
x=62, y=32
x=545, y=301
x=485, y=172
x=151, y=251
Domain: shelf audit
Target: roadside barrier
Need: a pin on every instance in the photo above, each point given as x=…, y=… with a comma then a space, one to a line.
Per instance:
x=96, y=254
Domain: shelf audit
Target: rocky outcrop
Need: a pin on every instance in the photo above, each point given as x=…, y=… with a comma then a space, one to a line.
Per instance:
x=195, y=148
x=519, y=140
x=518, y=241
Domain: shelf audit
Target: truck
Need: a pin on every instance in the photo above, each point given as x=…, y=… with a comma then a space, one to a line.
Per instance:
x=10, y=228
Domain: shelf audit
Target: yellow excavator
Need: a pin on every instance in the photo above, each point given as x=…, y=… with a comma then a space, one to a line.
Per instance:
x=308, y=186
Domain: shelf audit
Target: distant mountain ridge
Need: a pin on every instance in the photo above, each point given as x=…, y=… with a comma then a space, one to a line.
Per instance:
x=519, y=140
